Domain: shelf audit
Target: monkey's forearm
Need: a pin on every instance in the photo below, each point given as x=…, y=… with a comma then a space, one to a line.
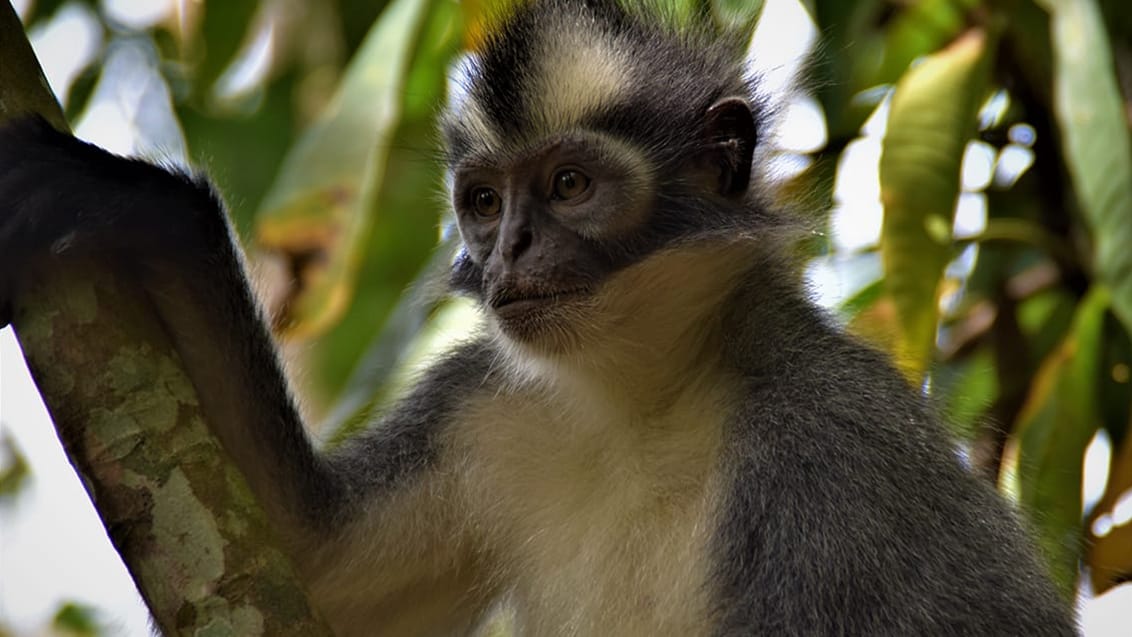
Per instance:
x=220, y=335
x=66, y=203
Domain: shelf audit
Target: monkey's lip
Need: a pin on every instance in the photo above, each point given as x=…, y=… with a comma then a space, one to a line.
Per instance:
x=513, y=303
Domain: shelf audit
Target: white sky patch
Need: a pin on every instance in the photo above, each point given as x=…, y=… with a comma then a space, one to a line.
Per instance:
x=251, y=66
x=784, y=166
x=130, y=112
x=978, y=166
x=1122, y=510
x=857, y=170
x=52, y=544
x=138, y=14
x=785, y=33
x=960, y=268
x=1107, y=615
x=970, y=215
x=65, y=45
x=877, y=123
x=802, y=129
x=857, y=215
x=834, y=278
x=1097, y=457
x=1013, y=162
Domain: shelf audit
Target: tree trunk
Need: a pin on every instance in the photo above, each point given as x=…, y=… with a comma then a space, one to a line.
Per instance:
x=179, y=512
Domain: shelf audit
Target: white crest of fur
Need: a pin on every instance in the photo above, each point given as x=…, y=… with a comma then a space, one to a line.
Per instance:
x=464, y=110
x=581, y=71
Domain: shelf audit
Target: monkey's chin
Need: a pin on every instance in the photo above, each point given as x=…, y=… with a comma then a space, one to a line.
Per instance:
x=548, y=326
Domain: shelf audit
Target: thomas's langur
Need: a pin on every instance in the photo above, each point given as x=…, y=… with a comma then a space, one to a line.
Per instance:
x=655, y=433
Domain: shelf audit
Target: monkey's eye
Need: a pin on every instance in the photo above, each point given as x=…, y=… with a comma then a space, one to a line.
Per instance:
x=486, y=202
x=569, y=183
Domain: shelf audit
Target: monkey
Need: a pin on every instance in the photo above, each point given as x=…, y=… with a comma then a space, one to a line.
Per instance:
x=655, y=431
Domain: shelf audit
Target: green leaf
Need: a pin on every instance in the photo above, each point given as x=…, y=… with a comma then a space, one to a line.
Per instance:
x=1095, y=138
x=1115, y=404
x=370, y=381
x=399, y=236
x=846, y=63
x=78, y=97
x=1054, y=427
x=920, y=28
x=43, y=10
x=862, y=300
x=222, y=32
x=357, y=16
x=931, y=120
x=963, y=390
x=867, y=43
x=14, y=471
x=1118, y=18
x=1027, y=35
x=1045, y=319
x=320, y=207
x=78, y=620
x=243, y=153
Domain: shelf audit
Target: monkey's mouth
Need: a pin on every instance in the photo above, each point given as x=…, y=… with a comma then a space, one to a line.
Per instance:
x=515, y=303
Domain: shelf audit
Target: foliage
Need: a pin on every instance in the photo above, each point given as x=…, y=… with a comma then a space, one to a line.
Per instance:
x=13, y=469
x=77, y=620
x=1020, y=328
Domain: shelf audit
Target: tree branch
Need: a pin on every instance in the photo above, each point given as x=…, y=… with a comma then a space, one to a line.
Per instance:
x=179, y=512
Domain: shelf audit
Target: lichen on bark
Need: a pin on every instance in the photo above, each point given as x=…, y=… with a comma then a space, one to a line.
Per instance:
x=179, y=512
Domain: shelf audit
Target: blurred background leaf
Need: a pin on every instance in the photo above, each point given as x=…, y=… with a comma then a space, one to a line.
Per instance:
x=1055, y=425
x=931, y=119
x=320, y=205
x=1094, y=117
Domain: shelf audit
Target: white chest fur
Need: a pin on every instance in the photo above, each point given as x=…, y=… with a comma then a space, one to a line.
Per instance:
x=602, y=508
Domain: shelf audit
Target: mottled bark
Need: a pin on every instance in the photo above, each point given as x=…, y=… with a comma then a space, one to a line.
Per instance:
x=181, y=515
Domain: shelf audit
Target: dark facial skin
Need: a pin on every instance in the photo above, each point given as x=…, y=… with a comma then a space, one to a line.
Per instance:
x=545, y=227
x=534, y=228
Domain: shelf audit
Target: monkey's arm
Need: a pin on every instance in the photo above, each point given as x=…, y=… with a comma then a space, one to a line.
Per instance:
x=63, y=201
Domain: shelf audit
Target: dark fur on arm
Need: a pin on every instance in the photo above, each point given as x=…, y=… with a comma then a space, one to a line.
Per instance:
x=65, y=199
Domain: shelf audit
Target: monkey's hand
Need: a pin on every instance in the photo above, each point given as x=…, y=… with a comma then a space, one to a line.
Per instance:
x=62, y=198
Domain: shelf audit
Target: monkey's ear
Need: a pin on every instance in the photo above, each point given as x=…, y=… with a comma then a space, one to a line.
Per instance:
x=730, y=131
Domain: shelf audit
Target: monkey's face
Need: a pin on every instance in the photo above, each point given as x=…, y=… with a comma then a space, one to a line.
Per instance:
x=578, y=153
x=544, y=228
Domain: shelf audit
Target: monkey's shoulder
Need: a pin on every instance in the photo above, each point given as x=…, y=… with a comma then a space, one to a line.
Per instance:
x=838, y=440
